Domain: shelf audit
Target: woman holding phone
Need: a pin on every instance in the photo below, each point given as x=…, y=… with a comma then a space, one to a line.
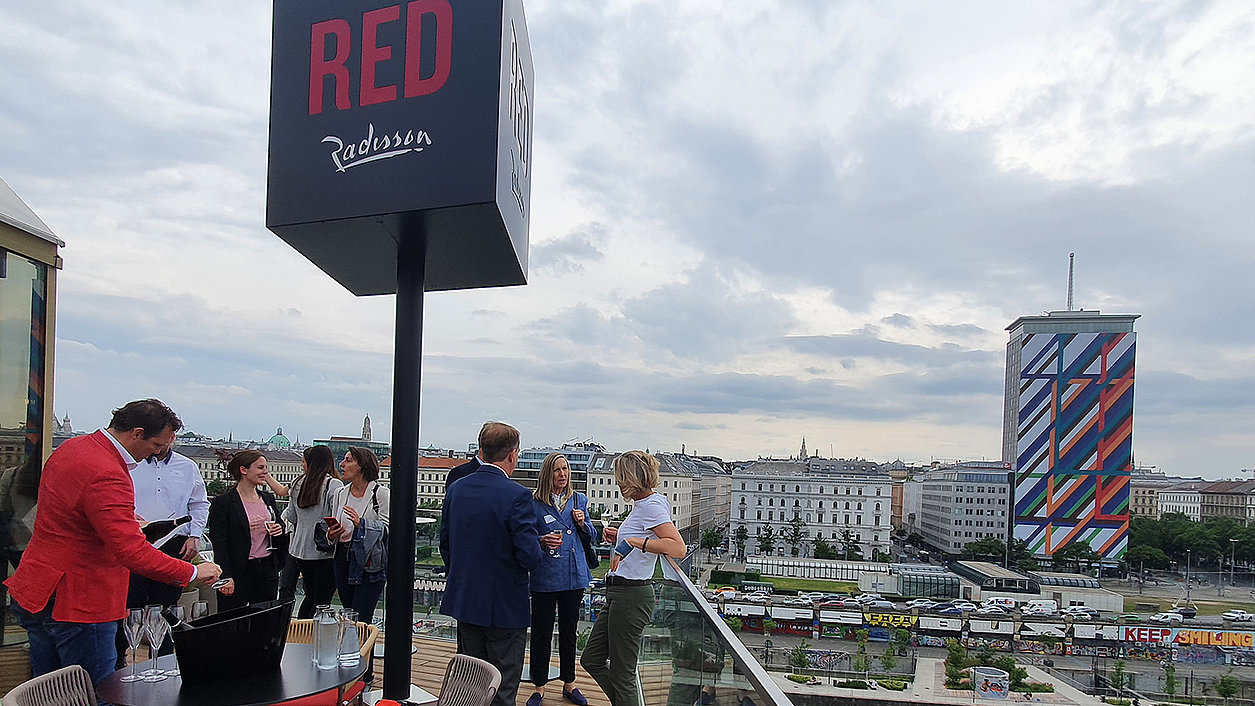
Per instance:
x=357, y=523
x=243, y=526
x=312, y=495
x=615, y=643
x=558, y=584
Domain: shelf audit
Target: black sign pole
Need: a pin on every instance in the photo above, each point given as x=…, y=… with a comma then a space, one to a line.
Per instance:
x=406, y=376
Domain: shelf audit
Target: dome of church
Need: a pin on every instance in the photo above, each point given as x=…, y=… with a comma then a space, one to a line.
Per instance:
x=279, y=440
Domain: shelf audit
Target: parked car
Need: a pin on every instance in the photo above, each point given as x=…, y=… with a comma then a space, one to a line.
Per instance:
x=878, y=605
x=1080, y=612
x=921, y=603
x=799, y=601
x=1130, y=618
x=1238, y=616
x=1000, y=601
x=1185, y=611
x=757, y=597
x=1169, y=618
x=865, y=597
x=992, y=610
x=813, y=595
x=964, y=605
x=1045, y=605
x=949, y=610
x=1037, y=613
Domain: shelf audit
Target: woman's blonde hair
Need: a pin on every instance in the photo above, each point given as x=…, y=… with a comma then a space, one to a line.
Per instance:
x=636, y=472
x=544, y=484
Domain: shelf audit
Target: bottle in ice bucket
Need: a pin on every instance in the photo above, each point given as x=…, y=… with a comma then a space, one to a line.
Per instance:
x=326, y=638
x=350, y=645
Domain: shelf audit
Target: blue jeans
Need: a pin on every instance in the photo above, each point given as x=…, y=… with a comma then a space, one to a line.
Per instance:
x=55, y=644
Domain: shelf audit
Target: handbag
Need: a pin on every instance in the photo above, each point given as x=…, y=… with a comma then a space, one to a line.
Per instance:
x=322, y=542
x=586, y=538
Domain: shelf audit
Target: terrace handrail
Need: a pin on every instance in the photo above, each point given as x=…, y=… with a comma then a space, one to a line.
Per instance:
x=749, y=666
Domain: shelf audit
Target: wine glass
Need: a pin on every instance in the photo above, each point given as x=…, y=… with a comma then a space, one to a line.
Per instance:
x=156, y=627
x=200, y=609
x=178, y=613
x=134, y=629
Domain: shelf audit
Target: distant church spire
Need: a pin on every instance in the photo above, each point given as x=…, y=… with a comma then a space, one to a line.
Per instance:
x=366, y=428
x=802, y=455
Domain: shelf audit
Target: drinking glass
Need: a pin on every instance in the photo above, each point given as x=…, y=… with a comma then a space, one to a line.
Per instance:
x=177, y=612
x=134, y=629
x=155, y=626
x=350, y=647
x=200, y=609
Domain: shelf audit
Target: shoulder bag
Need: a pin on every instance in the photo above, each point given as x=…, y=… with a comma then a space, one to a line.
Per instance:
x=322, y=542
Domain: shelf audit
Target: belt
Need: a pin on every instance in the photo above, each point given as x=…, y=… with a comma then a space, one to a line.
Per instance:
x=620, y=581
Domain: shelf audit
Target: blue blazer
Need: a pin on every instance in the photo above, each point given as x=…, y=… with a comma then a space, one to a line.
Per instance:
x=488, y=539
x=569, y=570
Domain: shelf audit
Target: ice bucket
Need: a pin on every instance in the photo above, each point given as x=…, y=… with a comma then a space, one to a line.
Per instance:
x=232, y=643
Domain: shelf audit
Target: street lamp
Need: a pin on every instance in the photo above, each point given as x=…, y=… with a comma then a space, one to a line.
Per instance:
x=1188, y=552
x=1233, y=559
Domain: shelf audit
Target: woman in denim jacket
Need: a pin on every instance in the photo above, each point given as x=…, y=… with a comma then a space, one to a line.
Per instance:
x=558, y=583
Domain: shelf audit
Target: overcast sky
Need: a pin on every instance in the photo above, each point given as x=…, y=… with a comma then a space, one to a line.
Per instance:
x=751, y=223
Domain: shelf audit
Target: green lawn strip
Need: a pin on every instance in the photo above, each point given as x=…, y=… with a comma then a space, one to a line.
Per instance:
x=1205, y=606
x=787, y=584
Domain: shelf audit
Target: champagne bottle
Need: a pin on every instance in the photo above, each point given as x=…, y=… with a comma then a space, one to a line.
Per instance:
x=154, y=531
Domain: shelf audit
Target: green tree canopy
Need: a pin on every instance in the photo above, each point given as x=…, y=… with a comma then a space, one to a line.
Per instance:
x=766, y=540
x=794, y=533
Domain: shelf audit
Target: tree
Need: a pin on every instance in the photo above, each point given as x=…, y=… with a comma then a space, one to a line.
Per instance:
x=1076, y=555
x=739, y=538
x=766, y=540
x=880, y=556
x=1021, y=557
x=1170, y=679
x=861, y=663
x=915, y=539
x=712, y=538
x=990, y=548
x=887, y=660
x=797, y=656
x=1150, y=557
x=901, y=641
x=849, y=548
x=1227, y=686
x=794, y=533
x=1119, y=678
x=214, y=488
x=824, y=550
x=768, y=626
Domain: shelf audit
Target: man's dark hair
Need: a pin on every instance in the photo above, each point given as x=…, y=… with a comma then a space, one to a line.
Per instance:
x=496, y=441
x=153, y=416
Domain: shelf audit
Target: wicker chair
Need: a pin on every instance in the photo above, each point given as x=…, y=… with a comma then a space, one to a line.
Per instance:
x=301, y=631
x=469, y=681
x=68, y=686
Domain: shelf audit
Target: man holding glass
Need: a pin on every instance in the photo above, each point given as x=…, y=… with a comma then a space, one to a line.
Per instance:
x=70, y=588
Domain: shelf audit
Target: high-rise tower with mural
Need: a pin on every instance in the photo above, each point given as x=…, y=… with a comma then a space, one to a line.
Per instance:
x=1068, y=429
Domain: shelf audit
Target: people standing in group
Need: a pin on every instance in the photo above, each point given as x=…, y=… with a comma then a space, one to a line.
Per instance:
x=490, y=542
x=70, y=588
x=614, y=644
x=311, y=500
x=243, y=527
x=360, y=531
x=168, y=486
x=558, y=582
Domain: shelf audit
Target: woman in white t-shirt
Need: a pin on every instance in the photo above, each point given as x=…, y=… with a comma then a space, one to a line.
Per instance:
x=615, y=643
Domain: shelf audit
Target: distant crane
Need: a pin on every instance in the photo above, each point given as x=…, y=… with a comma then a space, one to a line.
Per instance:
x=1071, y=260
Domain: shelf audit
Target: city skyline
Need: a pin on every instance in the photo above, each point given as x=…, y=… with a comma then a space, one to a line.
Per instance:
x=748, y=227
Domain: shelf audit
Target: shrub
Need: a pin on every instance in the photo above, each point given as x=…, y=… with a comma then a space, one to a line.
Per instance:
x=894, y=684
x=424, y=552
x=853, y=684
x=799, y=678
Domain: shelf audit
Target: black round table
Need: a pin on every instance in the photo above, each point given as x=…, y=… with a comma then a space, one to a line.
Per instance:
x=296, y=677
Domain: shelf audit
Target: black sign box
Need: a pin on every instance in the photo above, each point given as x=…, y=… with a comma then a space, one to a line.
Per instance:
x=390, y=120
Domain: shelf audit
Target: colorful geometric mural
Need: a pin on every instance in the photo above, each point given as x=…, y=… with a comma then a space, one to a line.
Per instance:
x=1075, y=441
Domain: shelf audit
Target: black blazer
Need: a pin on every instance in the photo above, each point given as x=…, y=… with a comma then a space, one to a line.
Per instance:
x=460, y=472
x=228, y=530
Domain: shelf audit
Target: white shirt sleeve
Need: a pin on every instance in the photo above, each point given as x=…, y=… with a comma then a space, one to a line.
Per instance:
x=657, y=512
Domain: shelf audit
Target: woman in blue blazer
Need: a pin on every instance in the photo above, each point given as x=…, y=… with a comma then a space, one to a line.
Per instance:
x=558, y=583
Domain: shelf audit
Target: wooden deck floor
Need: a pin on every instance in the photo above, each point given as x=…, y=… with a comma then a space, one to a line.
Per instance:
x=428, y=667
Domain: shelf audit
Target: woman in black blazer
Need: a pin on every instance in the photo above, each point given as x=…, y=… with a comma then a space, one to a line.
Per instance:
x=243, y=525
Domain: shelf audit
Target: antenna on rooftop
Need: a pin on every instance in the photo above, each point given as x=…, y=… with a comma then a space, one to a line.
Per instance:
x=1071, y=259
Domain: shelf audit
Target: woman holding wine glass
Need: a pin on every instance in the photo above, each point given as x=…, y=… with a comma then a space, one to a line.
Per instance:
x=242, y=526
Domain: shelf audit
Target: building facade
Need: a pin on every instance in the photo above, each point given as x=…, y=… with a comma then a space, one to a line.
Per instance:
x=1234, y=499
x=677, y=486
x=773, y=493
x=1068, y=429
x=577, y=457
x=1183, y=498
x=960, y=505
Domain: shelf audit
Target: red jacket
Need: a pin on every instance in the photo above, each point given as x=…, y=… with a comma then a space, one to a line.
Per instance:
x=86, y=539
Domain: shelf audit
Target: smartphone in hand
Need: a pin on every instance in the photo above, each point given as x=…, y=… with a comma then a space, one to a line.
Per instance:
x=331, y=521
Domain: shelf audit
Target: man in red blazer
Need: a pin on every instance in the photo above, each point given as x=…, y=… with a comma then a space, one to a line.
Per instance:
x=69, y=589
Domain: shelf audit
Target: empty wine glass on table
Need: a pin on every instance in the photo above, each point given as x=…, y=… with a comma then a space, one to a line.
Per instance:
x=155, y=626
x=134, y=629
x=200, y=609
x=180, y=615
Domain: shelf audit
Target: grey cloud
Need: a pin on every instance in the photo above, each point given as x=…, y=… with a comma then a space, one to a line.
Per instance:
x=569, y=253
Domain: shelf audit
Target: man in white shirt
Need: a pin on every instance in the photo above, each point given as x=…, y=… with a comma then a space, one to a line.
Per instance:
x=166, y=488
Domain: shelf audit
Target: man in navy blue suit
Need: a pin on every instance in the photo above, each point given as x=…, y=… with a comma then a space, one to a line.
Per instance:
x=490, y=542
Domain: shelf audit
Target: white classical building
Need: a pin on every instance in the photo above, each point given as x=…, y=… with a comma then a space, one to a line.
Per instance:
x=676, y=485
x=1183, y=498
x=773, y=493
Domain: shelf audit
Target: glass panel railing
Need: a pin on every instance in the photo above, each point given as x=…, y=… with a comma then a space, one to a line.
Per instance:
x=690, y=648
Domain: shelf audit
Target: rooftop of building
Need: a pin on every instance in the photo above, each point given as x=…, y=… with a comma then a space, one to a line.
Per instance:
x=15, y=212
x=990, y=570
x=1236, y=487
x=1080, y=321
